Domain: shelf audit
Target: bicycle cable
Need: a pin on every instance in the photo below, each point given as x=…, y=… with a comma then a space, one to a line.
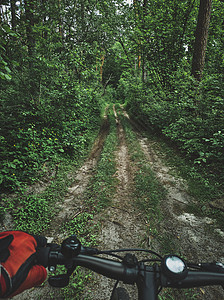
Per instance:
x=129, y=250
x=114, y=288
x=150, y=260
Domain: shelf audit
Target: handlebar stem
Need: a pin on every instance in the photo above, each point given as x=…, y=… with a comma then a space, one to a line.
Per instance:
x=147, y=282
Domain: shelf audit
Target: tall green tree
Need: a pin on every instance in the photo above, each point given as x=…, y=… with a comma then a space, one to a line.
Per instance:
x=161, y=33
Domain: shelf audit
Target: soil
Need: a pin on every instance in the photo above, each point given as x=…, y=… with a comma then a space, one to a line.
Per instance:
x=124, y=226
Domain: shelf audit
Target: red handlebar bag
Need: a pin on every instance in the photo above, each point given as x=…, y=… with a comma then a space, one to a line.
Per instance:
x=17, y=268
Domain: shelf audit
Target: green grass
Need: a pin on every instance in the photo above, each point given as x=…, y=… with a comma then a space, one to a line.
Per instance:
x=86, y=231
x=148, y=191
x=33, y=212
x=148, y=195
x=204, y=184
x=170, y=294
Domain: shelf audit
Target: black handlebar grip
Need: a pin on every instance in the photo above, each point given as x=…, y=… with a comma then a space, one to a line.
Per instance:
x=42, y=257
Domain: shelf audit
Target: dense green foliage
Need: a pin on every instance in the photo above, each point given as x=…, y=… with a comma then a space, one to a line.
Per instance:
x=193, y=121
x=33, y=136
x=162, y=92
x=49, y=102
x=59, y=57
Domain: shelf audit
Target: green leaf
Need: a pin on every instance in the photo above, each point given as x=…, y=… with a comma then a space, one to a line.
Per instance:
x=8, y=77
x=8, y=70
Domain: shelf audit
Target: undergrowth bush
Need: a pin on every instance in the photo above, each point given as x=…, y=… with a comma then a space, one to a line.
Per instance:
x=34, y=211
x=59, y=124
x=190, y=115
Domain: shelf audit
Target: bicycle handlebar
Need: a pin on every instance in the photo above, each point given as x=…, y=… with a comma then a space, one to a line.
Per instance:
x=171, y=272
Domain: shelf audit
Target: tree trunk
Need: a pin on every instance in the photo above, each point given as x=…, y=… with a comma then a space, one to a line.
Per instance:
x=13, y=14
x=29, y=8
x=125, y=50
x=190, y=6
x=136, y=9
x=60, y=21
x=145, y=3
x=201, y=37
x=33, y=80
x=101, y=66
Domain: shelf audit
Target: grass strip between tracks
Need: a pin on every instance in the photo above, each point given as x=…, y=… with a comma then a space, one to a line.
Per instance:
x=148, y=191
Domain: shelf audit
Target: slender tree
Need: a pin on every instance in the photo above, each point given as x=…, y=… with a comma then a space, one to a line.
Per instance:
x=13, y=13
x=201, y=37
x=29, y=9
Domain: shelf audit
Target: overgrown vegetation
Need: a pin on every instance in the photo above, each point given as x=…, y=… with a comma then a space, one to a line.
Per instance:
x=103, y=184
x=53, y=132
x=196, y=129
x=49, y=100
x=101, y=188
x=34, y=208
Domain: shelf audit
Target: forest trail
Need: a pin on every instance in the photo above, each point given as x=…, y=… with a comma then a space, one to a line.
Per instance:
x=122, y=225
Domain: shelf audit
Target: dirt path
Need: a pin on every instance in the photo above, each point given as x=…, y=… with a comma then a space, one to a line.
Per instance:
x=122, y=226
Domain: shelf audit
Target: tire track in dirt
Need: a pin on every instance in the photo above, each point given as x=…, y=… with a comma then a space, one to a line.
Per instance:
x=197, y=237
x=73, y=201
x=122, y=226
